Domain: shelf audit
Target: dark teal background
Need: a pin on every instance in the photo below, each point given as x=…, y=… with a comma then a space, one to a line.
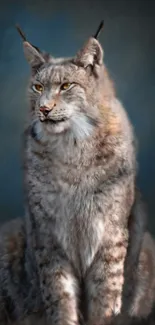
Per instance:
x=61, y=27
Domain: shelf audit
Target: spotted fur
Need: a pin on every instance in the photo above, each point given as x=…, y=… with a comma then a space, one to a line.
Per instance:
x=79, y=180
x=20, y=295
x=80, y=169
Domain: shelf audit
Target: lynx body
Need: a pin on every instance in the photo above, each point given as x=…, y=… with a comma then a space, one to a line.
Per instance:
x=80, y=166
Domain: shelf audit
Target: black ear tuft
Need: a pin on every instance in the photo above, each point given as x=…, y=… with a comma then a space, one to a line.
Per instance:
x=23, y=36
x=21, y=33
x=101, y=25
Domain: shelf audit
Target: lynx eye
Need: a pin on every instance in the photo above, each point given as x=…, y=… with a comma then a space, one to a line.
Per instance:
x=37, y=87
x=65, y=86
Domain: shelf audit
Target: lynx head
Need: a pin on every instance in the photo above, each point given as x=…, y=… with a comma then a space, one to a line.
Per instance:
x=65, y=94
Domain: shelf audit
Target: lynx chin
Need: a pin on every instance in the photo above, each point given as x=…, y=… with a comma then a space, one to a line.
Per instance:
x=79, y=180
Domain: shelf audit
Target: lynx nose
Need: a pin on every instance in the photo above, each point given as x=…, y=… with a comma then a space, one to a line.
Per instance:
x=45, y=110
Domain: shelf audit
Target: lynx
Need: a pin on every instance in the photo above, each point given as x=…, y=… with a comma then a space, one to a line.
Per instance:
x=79, y=180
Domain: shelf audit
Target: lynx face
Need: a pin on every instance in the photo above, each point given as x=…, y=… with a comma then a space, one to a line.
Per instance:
x=65, y=93
x=61, y=98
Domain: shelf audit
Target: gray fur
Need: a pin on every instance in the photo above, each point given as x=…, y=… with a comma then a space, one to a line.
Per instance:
x=20, y=298
x=80, y=171
x=79, y=185
x=19, y=290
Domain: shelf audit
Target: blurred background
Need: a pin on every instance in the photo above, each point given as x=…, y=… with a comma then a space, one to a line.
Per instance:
x=61, y=27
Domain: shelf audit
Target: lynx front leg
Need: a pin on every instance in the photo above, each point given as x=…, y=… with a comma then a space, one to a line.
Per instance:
x=59, y=288
x=104, y=280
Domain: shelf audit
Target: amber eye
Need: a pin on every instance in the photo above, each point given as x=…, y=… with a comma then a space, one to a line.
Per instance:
x=65, y=86
x=38, y=88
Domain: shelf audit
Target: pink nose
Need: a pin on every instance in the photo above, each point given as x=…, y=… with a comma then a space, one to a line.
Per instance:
x=45, y=110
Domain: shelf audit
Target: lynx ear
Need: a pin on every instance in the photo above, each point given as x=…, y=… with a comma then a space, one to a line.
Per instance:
x=32, y=53
x=90, y=55
x=33, y=56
